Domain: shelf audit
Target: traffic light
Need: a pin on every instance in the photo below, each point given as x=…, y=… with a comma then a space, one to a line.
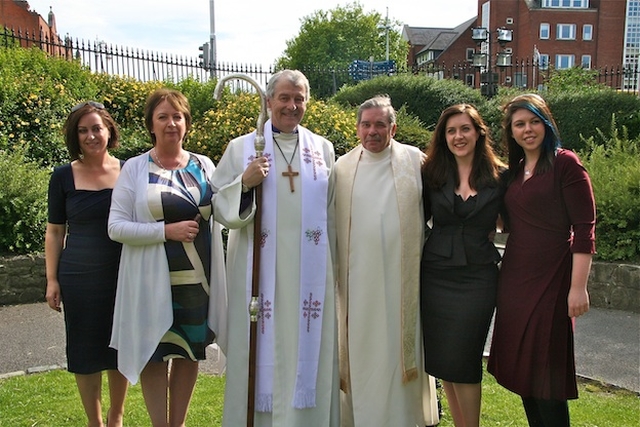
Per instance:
x=204, y=56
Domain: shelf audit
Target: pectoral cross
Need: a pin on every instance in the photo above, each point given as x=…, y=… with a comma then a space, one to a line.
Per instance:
x=290, y=174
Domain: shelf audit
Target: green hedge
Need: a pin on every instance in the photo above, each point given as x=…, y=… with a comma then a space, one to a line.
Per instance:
x=36, y=93
x=613, y=164
x=23, y=203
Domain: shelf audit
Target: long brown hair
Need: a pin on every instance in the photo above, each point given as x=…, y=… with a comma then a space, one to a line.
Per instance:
x=537, y=105
x=440, y=163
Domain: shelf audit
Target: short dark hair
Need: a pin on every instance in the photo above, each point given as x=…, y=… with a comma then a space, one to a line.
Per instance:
x=173, y=97
x=71, y=127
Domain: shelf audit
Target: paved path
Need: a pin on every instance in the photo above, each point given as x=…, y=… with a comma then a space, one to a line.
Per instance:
x=607, y=344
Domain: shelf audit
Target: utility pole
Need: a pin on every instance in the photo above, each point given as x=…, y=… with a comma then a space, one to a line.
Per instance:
x=212, y=41
x=386, y=28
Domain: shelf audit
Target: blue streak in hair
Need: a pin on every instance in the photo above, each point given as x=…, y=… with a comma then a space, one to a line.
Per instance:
x=551, y=140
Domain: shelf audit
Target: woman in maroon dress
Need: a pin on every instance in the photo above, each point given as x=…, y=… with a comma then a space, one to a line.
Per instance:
x=543, y=280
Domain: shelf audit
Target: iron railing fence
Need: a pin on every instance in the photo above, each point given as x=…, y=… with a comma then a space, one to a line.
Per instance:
x=144, y=65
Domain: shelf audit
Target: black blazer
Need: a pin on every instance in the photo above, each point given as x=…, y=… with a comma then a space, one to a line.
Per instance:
x=455, y=241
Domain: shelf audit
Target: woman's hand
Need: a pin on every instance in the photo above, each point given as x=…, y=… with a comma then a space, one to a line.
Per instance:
x=183, y=231
x=256, y=172
x=53, y=295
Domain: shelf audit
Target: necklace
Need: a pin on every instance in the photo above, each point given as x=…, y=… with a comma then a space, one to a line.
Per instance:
x=290, y=173
x=155, y=157
x=527, y=172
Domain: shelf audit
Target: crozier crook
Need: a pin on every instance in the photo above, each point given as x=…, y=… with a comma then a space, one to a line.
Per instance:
x=254, y=305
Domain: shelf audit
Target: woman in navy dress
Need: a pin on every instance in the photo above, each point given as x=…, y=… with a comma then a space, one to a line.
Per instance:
x=81, y=260
x=463, y=198
x=543, y=278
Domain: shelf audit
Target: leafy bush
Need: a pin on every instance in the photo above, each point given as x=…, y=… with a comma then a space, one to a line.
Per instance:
x=614, y=166
x=23, y=203
x=410, y=129
x=124, y=98
x=236, y=115
x=582, y=114
x=424, y=97
x=36, y=93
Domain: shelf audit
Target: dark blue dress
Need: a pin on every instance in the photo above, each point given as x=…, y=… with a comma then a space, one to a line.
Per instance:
x=87, y=272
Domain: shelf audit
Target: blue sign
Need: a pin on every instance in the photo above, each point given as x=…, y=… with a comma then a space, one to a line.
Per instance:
x=364, y=70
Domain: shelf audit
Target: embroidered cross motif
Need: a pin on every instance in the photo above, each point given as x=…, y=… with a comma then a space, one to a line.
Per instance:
x=314, y=235
x=264, y=312
x=311, y=309
x=263, y=237
x=315, y=158
x=252, y=157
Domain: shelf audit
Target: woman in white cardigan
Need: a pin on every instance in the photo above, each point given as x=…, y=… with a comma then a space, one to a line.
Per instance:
x=171, y=299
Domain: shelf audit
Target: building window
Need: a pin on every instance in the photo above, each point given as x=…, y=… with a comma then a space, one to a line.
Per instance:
x=587, y=32
x=564, y=61
x=586, y=62
x=470, y=79
x=470, y=52
x=566, y=32
x=520, y=80
x=543, y=62
x=573, y=4
x=545, y=30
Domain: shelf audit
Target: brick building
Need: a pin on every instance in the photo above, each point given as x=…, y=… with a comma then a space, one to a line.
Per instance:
x=17, y=16
x=558, y=33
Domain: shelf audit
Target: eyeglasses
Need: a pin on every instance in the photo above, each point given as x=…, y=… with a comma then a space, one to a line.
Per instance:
x=93, y=104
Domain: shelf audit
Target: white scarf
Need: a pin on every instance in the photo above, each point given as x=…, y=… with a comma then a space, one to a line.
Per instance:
x=313, y=261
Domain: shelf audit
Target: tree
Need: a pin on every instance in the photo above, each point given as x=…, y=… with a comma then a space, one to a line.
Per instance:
x=329, y=41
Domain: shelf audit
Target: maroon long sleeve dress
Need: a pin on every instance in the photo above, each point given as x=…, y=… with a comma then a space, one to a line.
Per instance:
x=550, y=216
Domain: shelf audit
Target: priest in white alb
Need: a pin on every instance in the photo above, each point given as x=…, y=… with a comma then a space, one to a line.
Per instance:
x=296, y=370
x=379, y=222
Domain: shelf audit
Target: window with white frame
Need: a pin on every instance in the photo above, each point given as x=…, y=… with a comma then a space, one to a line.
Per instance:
x=470, y=52
x=566, y=32
x=564, y=61
x=543, y=62
x=573, y=4
x=587, y=32
x=586, y=62
x=470, y=79
x=545, y=30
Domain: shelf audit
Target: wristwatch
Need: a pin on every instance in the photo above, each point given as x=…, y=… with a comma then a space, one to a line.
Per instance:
x=245, y=189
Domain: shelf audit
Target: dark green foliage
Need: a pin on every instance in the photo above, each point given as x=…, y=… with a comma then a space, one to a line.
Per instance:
x=23, y=203
x=411, y=130
x=331, y=40
x=37, y=92
x=584, y=113
x=613, y=163
x=424, y=97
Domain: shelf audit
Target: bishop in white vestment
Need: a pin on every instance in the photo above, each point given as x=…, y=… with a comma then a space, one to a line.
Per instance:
x=297, y=371
x=379, y=223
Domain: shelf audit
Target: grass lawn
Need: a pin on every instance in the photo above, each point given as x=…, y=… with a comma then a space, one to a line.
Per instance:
x=51, y=400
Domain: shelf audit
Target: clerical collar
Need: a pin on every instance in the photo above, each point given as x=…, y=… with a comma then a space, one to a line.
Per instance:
x=278, y=131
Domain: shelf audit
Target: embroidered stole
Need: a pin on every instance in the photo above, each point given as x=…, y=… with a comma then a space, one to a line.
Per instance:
x=314, y=181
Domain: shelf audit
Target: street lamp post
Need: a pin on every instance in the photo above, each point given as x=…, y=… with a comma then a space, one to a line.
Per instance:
x=484, y=60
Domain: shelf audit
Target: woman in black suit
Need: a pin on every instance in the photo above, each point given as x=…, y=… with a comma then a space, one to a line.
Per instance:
x=462, y=195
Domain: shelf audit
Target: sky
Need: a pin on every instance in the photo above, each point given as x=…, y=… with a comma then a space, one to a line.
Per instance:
x=246, y=31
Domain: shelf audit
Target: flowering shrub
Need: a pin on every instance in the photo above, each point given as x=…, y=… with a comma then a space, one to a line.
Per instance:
x=236, y=115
